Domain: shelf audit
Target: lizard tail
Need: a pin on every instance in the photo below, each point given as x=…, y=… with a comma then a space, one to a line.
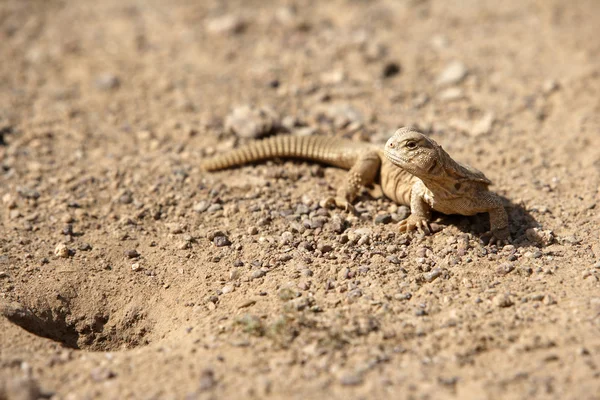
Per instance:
x=329, y=150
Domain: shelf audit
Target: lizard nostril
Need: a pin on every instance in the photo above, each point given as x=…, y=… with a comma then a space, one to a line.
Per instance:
x=391, y=145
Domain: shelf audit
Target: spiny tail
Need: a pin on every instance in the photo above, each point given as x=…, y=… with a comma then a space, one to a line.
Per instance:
x=329, y=150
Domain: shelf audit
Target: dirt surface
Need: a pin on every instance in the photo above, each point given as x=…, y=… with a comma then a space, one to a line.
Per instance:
x=126, y=272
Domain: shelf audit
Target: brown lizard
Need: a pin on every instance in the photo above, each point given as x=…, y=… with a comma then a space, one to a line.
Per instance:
x=412, y=169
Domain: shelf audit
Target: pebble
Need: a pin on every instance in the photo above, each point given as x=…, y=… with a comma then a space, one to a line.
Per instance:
x=201, y=206
x=28, y=193
x=101, y=374
x=502, y=301
x=451, y=94
x=136, y=267
x=107, y=81
x=383, y=219
x=226, y=24
x=61, y=250
x=351, y=379
x=257, y=273
x=390, y=69
x=324, y=247
x=221, y=241
x=504, y=268
x=393, y=259
x=453, y=73
x=483, y=126
x=214, y=208
x=252, y=122
x=133, y=253
x=433, y=274
x=84, y=247
x=540, y=236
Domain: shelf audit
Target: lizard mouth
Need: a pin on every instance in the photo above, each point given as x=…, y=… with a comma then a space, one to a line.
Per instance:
x=395, y=159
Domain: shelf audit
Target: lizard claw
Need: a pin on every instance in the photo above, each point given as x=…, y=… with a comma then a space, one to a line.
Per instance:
x=339, y=202
x=413, y=223
x=498, y=237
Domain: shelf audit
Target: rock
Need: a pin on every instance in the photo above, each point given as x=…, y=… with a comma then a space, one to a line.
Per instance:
x=214, y=208
x=201, y=206
x=433, y=274
x=28, y=193
x=539, y=236
x=454, y=72
x=451, y=94
x=61, y=250
x=502, y=301
x=351, y=379
x=257, y=273
x=133, y=253
x=483, y=126
x=252, y=122
x=221, y=241
x=107, y=81
x=226, y=25
x=390, y=69
x=383, y=219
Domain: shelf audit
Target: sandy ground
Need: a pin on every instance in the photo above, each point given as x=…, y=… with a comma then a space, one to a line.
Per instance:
x=126, y=272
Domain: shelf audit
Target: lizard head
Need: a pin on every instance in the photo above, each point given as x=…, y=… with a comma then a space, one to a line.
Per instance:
x=414, y=152
x=427, y=160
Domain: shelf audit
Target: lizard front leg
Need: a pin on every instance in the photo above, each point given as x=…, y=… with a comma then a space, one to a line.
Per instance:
x=499, y=232
x=363, y=172
x=420, y=212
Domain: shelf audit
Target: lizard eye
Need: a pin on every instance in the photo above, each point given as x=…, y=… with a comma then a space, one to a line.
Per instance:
x=411, y=144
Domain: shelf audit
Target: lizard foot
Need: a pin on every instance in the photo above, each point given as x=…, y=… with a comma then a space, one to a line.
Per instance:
x=339, y=202
x=499, y=237
x=413, y=223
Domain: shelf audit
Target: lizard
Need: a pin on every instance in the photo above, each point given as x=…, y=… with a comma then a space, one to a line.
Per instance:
x=412, y=170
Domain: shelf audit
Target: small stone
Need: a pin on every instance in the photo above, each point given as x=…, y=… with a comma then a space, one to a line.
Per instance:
x=451, y=94
x=133, y=253
x=3, y=275
x=257, y=273
x=84, y=247
x=214, y=208
x=549, y=300
x=61, y=250
x=221, y=241
x=324, y=247
x=505, y=268
x=252, y=230
x=351, y=379
x=107, y=81
x=453, y=73
x=227, y=289
x=252, y=122
x=101, y=374
x=28, y=193
x=383, y=219
x=136, y=267
x=483, y=126
x=433, y=274
x=226, y=24
x=539, y=236
x=393, y=259
x=390, y=69
x=201, y=206
x=287, y=237
x=502, y=301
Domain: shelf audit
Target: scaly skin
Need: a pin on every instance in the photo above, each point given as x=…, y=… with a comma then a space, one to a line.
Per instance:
x=412, y=169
